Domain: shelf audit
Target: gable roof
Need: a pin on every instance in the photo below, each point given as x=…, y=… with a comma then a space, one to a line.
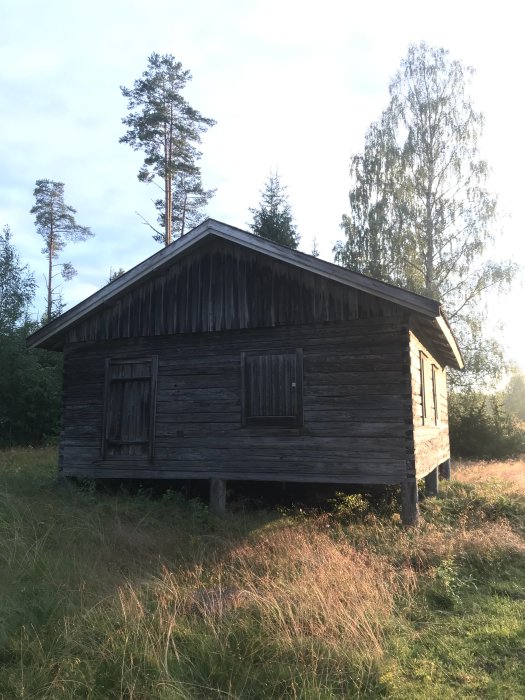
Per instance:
x=428, y=310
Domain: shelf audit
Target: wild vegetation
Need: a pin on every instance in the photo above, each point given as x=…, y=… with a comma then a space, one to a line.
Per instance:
x=421, y=215
x=273, y=218
x=118, y=595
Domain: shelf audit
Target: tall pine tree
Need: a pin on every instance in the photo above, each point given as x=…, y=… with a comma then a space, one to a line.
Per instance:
x=163, y=125
x=55, y=222
x=189, y=204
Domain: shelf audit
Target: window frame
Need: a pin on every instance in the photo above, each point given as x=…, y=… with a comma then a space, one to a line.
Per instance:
x=435, y=391
x=429, y=414
x=295, y=421
x=153, y=360
x=422, y=376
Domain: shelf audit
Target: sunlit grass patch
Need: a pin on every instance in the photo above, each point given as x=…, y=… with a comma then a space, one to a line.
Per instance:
x=113, y=595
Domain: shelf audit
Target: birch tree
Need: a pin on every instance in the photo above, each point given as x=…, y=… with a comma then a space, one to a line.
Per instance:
x=421, y=215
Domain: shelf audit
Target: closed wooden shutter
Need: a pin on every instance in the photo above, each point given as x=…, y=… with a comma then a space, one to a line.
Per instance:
x=272, y=388
x=129, y=423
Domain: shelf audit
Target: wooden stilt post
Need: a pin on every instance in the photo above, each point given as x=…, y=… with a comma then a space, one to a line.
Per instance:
x=409, y=502
x=444, y=470
x=432, y=483
x=218, y=496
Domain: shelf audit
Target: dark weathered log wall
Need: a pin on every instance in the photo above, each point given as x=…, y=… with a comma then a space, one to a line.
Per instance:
x=431, y=437
x=356, y=405
x=219, y=286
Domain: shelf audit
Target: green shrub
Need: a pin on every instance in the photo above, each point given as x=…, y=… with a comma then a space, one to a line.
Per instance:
x=480, y=427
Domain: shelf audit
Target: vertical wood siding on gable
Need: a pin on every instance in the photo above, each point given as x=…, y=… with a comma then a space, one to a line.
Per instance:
x=356, y=414
x=224, y=287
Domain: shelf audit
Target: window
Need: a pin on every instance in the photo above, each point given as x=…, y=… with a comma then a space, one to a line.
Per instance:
x=129, y=407
x=272, y=388
x=435, y=375
x=429, y=403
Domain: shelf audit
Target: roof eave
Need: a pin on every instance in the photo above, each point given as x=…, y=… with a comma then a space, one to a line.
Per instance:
x=450, y=338
x=410, y=300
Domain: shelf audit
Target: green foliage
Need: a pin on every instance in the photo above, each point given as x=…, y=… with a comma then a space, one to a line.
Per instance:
x=481, y=427
x=273, y=218
x=30, y=391
x=115, y=274
x=17, y=286
x=514, y=395
x=189, y=203
x=349, y=507
x=163, y=125
x=30, y=380
x=420, y=214
x=55, y=222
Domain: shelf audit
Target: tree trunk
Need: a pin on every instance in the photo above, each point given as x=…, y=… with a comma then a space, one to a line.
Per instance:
x=167, y=209
x=183, y=222
x=50, y=278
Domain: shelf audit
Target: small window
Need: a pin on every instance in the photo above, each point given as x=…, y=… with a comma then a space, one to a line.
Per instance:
x=129, y=407
x=422, y=385
x=272, y=388
x=435, y=374
x=428, y=375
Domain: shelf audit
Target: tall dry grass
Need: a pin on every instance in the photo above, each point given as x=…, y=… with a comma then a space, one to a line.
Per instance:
x=124, y=597
x=290, y=598
x=510, y=474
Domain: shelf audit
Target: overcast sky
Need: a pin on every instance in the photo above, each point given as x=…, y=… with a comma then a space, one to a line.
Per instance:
x=292, y=85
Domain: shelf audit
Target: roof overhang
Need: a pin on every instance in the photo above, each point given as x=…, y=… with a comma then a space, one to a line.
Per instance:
x=429, y=308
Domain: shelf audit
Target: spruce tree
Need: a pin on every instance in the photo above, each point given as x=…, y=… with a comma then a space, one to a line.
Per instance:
x=273, y=218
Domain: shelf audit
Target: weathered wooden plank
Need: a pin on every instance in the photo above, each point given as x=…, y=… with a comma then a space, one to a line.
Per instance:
x=356, y=429
x=95, y=472
x=216, y=290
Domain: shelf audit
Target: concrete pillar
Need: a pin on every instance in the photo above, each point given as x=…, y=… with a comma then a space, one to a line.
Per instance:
x=432, y=483
x=217, y=496
x=444, y=470
x=409, y=502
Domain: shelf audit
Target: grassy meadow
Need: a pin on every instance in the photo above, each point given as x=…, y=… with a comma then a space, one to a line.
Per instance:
x=112, y=595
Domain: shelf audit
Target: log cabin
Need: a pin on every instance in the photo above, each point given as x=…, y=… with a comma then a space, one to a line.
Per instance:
x=225, y=356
